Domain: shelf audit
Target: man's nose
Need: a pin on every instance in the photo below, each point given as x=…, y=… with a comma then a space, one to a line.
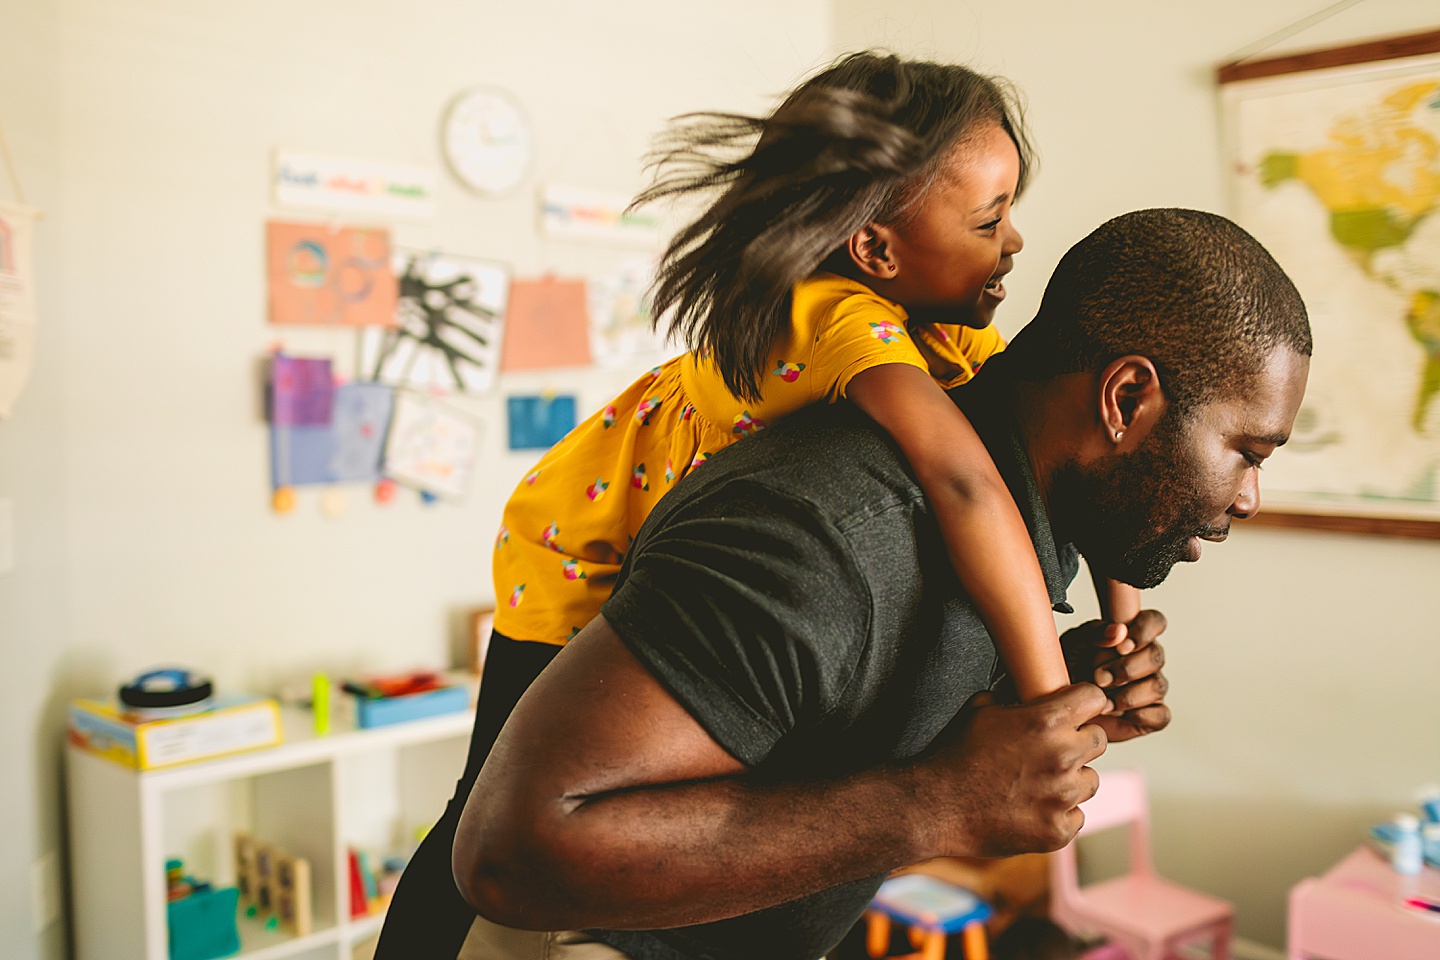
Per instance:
x=1247, y=501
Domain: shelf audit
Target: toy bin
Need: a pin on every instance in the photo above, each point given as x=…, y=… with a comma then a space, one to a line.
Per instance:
x=202, y=925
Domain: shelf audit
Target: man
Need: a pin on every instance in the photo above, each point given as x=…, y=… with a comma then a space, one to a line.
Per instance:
x=771, y=712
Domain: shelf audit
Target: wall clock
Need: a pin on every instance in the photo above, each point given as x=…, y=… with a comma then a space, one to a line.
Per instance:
x=487, y=141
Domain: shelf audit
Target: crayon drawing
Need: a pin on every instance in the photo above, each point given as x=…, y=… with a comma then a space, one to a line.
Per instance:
x=329, y=277
x=320, y=432
x=17, y=302
x=431, y=446
x=622, y=331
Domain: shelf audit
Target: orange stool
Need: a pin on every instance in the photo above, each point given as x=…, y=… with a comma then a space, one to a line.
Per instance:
x=933, y=910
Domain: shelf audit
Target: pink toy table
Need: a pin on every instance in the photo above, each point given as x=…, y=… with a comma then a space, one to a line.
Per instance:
x=1354, y=912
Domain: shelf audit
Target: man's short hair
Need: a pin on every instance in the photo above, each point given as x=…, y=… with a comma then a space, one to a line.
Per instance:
x=1192, y=291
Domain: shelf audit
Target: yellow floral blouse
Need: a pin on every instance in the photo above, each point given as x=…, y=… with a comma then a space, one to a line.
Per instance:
x=569, y=523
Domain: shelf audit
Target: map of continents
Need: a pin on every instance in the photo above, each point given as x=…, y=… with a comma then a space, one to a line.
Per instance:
x=1340, y=178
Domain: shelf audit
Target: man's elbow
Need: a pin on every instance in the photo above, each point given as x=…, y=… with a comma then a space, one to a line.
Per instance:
x=513, y=876
x=487, y=896
x=489, y=877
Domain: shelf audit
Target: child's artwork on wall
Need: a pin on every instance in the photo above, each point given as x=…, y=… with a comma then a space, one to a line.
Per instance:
x=321, y=433
x=579, y=213
x=329, y=277
x=302, y=407
x=302, y=391
x=620, y=316
x=382, y=188
x=449, y=319
x=539, y=422
x=431, y=445
x=362, y=417
x=17, y=302
x=547, y=325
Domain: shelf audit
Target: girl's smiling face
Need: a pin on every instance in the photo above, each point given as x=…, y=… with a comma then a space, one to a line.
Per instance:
x=945, y=262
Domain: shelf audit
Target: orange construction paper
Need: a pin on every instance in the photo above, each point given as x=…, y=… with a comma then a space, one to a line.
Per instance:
x=546, y=325
x=329, y=277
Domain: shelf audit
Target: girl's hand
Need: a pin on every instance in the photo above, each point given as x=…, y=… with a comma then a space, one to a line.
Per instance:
x=1115, y=636
x=1125, y=663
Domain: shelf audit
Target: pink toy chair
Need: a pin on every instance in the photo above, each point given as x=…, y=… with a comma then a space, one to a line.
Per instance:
x=1143, y=913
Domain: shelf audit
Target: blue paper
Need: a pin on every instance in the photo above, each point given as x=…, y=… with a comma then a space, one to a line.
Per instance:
x=362, y=416
x=348, y=450
x=538, y=423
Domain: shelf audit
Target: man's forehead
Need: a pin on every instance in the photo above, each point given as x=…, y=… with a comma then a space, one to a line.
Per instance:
x=1263, y=407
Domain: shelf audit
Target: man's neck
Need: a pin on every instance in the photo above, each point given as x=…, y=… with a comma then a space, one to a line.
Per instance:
x=1050, y=415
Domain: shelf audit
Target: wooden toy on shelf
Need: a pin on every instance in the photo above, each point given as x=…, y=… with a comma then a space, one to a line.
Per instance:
x=274, y=883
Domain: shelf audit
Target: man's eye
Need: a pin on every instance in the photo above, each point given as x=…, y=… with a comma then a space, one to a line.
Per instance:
x=991, y=225
x=1255, y=460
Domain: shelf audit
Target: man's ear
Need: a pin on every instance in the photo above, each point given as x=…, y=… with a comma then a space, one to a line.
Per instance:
x=872, y=250
x=1131, y=400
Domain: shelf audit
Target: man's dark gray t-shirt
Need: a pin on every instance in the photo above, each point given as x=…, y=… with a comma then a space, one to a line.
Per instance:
x=795, y=596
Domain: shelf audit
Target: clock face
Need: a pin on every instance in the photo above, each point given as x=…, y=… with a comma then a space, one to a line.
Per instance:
x=487, y=141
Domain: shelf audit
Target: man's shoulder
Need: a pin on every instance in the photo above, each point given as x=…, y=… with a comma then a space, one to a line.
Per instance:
x=831, y=461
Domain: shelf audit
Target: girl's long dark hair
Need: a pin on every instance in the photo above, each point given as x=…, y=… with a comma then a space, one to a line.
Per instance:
x=857, y=143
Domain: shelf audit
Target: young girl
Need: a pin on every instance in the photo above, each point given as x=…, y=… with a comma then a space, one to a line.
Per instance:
x=856, y=249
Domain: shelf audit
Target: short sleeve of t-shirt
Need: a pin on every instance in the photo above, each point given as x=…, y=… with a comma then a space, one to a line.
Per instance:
x=955, y=353
x=980, y=345
x=751, y=610
x=859, y=331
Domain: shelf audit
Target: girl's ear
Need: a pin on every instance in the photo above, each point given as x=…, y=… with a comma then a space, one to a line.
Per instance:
x=872, y=250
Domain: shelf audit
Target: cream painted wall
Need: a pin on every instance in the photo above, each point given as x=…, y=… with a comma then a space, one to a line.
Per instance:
x=33, y=635
x=138, y=459
x=1305, y=667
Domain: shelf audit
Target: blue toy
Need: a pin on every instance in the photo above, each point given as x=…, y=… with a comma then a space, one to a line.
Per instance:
x=933, y=910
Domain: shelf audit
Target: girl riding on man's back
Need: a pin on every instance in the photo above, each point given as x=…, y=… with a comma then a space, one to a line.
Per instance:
x=855, y=249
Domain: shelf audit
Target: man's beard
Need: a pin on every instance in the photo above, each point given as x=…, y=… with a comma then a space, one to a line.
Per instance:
x=1132, y=517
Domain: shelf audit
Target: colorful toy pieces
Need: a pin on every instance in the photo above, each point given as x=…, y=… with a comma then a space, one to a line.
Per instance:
x=371, y=889
x=200, y=918
x=273, y=883
x=412, y=696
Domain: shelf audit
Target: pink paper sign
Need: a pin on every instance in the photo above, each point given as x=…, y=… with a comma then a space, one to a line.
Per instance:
x=546, y=325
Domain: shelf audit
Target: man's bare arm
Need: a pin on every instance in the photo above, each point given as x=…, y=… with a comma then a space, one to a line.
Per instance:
x=605, y=804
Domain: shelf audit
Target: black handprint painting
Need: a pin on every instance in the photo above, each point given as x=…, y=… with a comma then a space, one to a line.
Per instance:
x=450, y=313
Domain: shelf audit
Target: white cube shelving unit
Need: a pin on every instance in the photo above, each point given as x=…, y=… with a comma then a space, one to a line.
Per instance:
x=314, y=796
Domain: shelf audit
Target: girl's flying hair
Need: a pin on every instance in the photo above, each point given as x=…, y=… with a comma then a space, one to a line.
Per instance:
x=860, y=142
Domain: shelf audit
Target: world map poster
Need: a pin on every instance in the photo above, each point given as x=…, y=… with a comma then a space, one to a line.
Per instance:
x=1337, y=172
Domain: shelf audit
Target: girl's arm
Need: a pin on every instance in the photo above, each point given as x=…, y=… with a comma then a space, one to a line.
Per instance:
x=1119, y=602
x=988, y=543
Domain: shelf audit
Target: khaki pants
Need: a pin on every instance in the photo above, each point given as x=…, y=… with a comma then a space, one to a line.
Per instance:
x=490, y=941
